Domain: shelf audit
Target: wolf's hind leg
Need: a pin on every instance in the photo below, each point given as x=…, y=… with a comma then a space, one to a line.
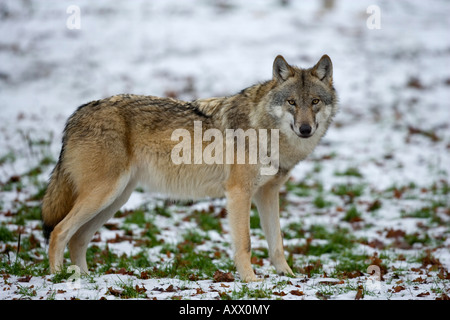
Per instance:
x=80, y=240
x=86, y=207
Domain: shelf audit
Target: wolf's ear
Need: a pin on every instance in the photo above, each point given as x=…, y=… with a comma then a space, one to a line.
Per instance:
x=281, y=69
x=324, y=69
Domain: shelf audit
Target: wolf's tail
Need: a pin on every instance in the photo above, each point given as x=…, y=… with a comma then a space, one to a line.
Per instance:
x=58, y=200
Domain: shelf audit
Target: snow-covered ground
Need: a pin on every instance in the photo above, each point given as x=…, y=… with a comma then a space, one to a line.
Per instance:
x=391, y=137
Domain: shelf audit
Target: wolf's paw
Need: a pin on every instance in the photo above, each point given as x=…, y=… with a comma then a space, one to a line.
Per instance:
x=284, y=270
x=251, y=279
x=249, y=276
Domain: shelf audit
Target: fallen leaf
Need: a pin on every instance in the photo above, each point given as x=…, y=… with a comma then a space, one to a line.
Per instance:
x=114, y=292
x=25, y=279
x=444, y=274
x=423, y=294
x=220, y=276
x=119, y=239
x=199, y=291
x=258, y=261
x=395, y=233
x=374, y=205
x=120, y=271
x=443, y=297
x=297, y=293
x=398, y=288
x=415, y=83
x=193, y=277
x=377, y=244
x=352, y=274
x=158, y=289
x=310, y=268
x=331, y=283
x=170, y=289
x=111, y=226
x=322, y=296
x=359, y=293
x=420, y=280
x=429, y=134
x=398, y=193
x=140, y=289
x=431, y=260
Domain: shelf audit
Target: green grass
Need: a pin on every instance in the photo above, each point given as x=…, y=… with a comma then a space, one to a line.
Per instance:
x=138, y=217
x=335, y=241
x=25, y=213
x=144, y=220
x=294, y=230
x=206, y=220
x=352, y=215
x=349, y=262
x=350, y=172
x=255, y=222
x=9, y=157
x=6, y=235
x=261, y=291
x=127, y=289
x=304, y=188
x=320, y=202
x=26, y=292
x=349, y=190
x=101, y=260
x=162, y=211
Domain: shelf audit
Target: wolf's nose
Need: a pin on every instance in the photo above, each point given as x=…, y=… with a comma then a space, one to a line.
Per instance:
x=305, y=129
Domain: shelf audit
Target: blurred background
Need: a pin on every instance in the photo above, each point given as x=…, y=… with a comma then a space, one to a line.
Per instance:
x=390, y=62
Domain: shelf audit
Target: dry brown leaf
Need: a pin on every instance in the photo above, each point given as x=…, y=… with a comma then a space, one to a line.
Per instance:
x=220, y=276
x=359, y=293
x=398, y=288
x=391, y=233
x=258, y=261
x=296, y=292
x=114, y=292
x=170, y=289
x=423, y=294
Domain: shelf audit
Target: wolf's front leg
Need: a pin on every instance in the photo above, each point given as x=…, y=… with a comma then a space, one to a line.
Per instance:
x=238, y=205
x=267, y=203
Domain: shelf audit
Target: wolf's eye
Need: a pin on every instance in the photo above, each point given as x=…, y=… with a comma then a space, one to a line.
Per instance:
x=315, y=101
x=291, y=102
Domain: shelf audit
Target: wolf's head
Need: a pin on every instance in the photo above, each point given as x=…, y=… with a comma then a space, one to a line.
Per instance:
x=303, y=99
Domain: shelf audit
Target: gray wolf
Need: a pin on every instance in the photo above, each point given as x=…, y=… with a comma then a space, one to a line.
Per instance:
x=111, y=145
